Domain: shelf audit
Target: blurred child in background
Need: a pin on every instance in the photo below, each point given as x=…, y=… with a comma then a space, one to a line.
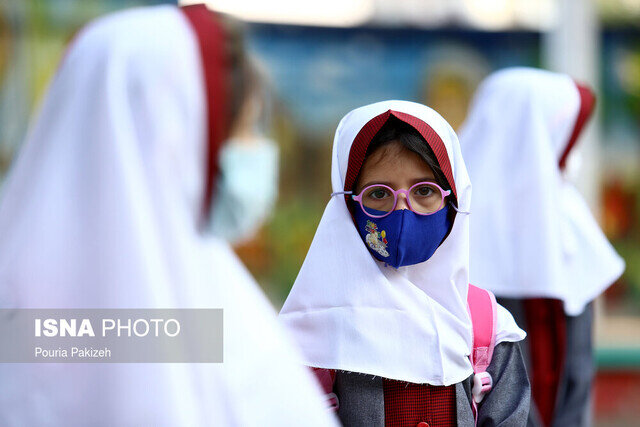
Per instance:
x=534, y=241
x=248, y=187
x=380, y=304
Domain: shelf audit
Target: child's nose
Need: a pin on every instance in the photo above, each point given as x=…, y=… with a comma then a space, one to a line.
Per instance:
x=402, y=202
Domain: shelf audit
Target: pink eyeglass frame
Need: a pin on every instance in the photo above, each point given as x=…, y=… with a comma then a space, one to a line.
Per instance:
x=395, y=193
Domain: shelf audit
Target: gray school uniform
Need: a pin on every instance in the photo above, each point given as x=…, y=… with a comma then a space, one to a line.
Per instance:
x=572, y=407
x=361, y=396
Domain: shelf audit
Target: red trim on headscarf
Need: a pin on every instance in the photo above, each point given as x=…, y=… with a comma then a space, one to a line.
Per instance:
x=547, y=336
x=369, y=130
x=587, y=104
x=211, y=41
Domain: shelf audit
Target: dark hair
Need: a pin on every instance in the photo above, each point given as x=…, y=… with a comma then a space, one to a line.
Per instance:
x=395, y=129
x=240, y=74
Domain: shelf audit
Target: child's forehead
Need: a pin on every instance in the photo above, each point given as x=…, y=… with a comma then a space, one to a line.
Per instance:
x=393, y=152
x=394, y=160
x=390, y=148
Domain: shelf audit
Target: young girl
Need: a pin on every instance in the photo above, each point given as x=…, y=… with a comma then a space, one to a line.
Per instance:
x=380, y=304
x=534, y=241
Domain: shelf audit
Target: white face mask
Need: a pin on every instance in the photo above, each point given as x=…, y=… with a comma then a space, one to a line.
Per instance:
x=247, y=189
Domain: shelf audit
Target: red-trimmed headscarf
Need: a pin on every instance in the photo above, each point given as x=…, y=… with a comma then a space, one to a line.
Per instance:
x=532, y=233
x=371, y=128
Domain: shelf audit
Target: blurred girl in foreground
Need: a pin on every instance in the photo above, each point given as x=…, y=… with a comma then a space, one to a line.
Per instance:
x=534, y=241
x=109, y=205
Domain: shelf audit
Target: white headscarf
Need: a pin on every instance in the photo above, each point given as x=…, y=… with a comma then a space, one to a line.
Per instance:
x=350, y=312
x=101, y=210
x=532, y=234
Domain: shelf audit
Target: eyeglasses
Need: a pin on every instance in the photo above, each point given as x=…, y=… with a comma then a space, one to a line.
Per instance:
x=378, y=200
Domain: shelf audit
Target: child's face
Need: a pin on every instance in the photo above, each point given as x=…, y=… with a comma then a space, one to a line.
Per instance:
x=395, y=166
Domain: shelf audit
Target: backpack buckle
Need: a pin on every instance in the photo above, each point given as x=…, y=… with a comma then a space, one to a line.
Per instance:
x=482, y=383
x=332, y=401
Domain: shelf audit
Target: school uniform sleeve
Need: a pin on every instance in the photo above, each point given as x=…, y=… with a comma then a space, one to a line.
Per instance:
x=507, y=404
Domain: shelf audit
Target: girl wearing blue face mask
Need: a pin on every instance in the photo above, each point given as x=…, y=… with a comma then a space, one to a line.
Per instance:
x=415, y=217
x=379, y=307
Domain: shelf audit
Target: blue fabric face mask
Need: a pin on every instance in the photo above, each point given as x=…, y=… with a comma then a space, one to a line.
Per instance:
x=403, y=237
x=247, y=189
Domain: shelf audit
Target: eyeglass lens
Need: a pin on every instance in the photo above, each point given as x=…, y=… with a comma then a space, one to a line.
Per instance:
x=424, y=198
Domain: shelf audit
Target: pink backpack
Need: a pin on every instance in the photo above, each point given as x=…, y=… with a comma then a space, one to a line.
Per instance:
x=482, y=310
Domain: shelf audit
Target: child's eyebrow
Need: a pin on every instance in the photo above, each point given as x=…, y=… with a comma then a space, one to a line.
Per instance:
x=389, y=184
x=374, y=182
x=425, y=179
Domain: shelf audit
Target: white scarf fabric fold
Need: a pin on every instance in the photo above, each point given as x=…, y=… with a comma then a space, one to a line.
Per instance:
x=532, y=234
x=348, y=311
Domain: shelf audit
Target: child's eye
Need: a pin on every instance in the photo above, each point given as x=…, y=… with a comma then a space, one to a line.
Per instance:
x=424, y=191
x=378, y=193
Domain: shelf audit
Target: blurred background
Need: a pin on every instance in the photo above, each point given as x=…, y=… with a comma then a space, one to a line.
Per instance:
x=324, y=58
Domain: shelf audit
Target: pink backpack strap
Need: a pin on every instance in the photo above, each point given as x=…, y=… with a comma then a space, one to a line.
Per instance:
x=483, y=311
x=326, y=378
